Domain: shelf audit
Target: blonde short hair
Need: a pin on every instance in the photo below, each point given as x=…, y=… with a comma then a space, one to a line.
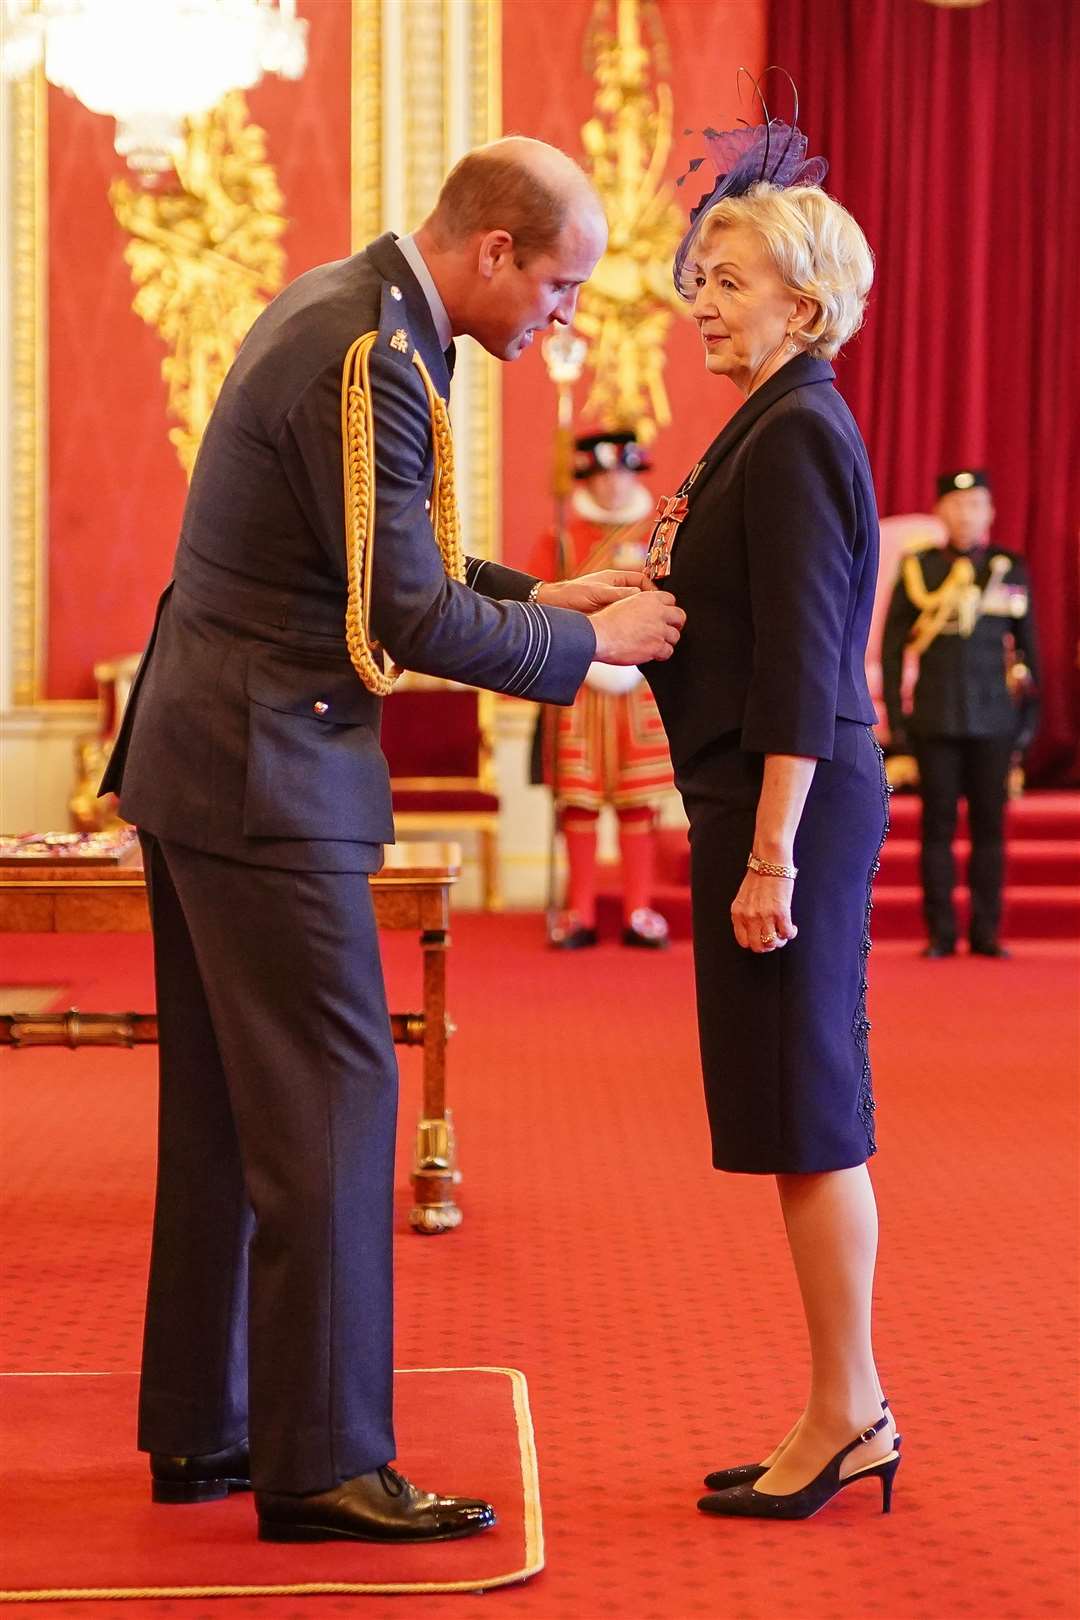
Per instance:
x=817, y=248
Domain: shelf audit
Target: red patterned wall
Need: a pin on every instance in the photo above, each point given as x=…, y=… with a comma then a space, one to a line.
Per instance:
x=116, y=488
x=547, y=92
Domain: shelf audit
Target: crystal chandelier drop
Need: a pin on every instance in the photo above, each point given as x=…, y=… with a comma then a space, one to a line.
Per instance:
x=151, y=64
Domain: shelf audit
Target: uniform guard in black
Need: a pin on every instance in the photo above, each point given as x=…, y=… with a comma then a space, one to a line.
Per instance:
x=964, y=610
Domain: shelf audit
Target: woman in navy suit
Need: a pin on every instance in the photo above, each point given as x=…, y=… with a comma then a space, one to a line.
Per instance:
x=771, y=546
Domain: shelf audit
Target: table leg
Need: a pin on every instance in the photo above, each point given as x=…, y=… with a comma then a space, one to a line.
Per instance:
x=435, y=1171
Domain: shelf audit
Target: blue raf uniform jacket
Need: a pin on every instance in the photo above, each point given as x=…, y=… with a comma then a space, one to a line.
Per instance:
x=775, y=565
x=248, y=733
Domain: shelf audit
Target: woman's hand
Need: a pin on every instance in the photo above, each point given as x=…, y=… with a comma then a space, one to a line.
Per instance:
x=761, y=913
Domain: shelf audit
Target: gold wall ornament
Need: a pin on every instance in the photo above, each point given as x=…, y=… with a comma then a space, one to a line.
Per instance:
x=626, y=308
x=206, y=258
x=365, y=122
x=27, y=403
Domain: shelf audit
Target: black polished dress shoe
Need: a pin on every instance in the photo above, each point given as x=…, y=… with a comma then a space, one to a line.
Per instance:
x=939, y=947
x=569, y=934
x=380, y=1506
x=575, y=939
x=989, y=947
x=646, y=929
x=200, y=1479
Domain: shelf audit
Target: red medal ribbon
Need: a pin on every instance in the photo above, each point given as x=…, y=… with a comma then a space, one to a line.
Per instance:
x=675, y=507
x=671, y=510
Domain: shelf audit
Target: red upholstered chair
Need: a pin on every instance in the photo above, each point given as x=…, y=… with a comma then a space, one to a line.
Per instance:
x=437, y=738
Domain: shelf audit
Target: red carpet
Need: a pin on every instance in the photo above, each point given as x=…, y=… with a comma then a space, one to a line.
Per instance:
x=648, y=1300
x=1042, y=891
x=86, y=1526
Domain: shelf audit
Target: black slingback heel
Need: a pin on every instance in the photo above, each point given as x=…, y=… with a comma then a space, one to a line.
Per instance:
x=747, y=1473
x=746, y=1502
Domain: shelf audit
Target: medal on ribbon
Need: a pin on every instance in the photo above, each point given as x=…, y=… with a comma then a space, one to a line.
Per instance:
x=671, y=511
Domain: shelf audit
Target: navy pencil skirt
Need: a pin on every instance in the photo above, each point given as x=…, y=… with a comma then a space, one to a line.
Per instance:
x=784, y=1035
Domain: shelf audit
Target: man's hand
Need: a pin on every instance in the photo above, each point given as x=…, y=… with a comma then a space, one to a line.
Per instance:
x=639, y=630
x=592, y=592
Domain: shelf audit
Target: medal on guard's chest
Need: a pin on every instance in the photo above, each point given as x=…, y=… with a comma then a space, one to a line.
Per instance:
x=671, y=510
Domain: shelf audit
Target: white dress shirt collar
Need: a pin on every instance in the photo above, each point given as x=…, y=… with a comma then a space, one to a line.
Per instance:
x=415, y=260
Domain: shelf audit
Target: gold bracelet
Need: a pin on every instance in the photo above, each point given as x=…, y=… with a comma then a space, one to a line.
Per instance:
x=771, y=868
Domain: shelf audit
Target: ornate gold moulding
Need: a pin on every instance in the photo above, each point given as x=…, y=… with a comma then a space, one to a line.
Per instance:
x=626, y=308
x=206, y=257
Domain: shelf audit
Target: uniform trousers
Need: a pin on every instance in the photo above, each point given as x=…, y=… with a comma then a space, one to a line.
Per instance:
x=976, y=768
x=269, y=1307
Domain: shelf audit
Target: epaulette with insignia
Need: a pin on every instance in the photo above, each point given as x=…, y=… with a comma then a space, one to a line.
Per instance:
x=393, y=332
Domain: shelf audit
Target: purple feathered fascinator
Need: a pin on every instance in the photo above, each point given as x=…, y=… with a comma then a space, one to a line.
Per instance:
x=772, y=151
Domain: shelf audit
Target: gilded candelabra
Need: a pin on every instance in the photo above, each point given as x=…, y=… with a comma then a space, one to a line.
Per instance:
x=626, y=308
x=206, y=258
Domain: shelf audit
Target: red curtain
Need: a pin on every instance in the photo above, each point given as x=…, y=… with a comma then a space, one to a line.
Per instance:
x=952, y=135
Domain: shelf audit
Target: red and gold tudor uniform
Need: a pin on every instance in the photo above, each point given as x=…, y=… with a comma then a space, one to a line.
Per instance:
x=611, y=747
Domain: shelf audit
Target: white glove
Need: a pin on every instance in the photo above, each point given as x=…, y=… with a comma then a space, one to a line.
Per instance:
x=615, y=680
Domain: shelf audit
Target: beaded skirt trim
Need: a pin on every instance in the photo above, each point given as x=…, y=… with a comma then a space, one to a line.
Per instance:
x=860, y=1027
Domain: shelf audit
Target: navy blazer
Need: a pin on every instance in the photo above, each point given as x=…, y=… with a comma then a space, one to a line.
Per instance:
x=247, y=733
x=775, y=565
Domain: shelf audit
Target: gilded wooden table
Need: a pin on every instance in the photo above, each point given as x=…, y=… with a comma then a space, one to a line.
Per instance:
x=40, y=895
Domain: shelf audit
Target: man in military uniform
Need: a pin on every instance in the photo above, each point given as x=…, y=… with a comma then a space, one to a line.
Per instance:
x=964, y=610
x=320, y=531
x=609, y=747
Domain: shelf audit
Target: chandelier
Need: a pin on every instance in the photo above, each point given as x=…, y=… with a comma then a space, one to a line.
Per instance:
x=151, y=64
